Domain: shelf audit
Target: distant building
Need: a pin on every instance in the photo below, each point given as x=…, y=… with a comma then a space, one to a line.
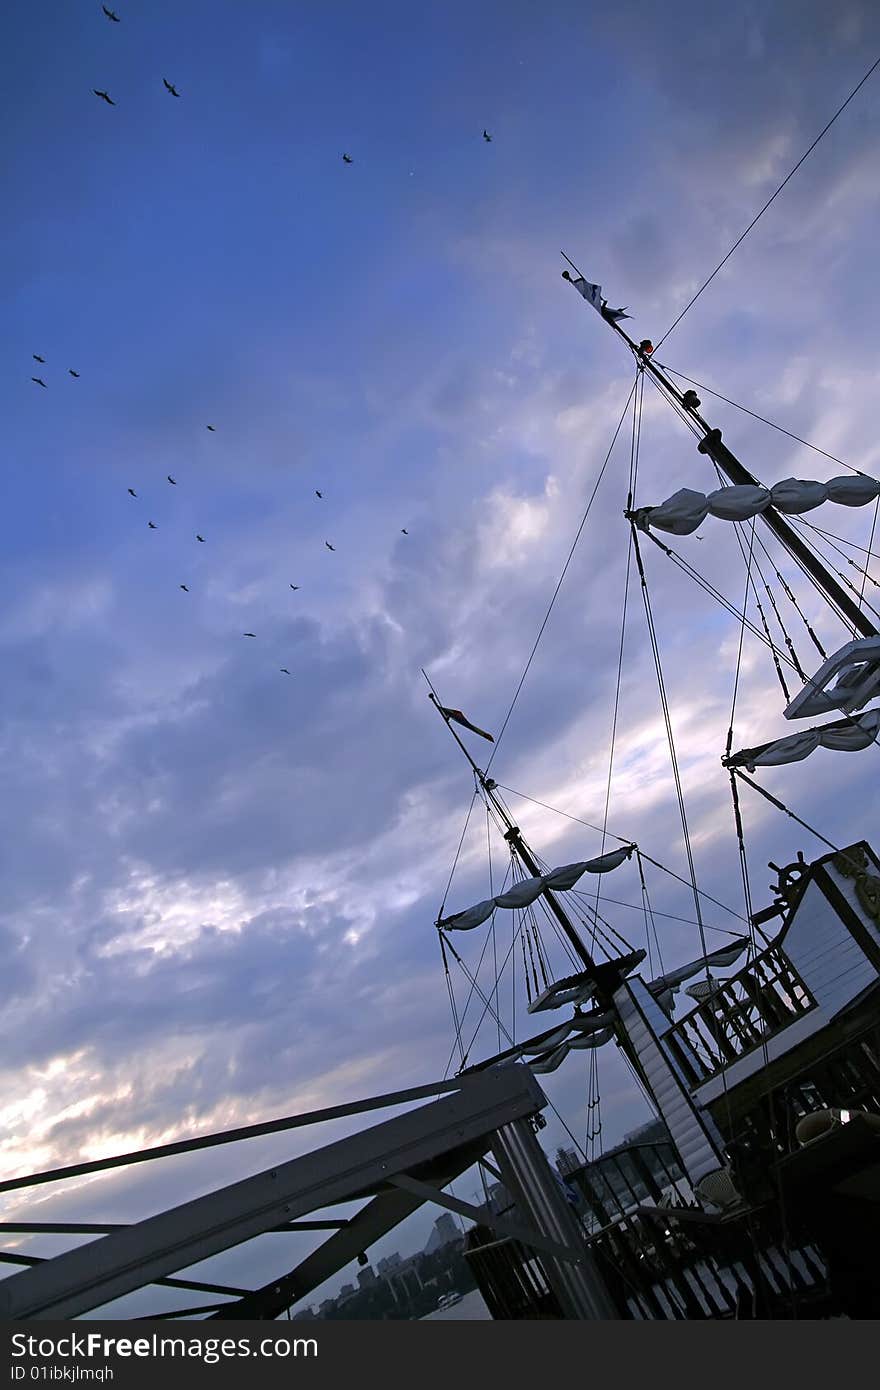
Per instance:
x=390, y=1262
x=366, y=1277
x=404, y=1281
x=445, y=1232
x=567, y=1161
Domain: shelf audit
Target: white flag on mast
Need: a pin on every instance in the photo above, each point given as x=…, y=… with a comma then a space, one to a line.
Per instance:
x=593, y=295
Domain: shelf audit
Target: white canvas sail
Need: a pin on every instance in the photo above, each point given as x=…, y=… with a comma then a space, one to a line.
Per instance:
x=686, y=509
x=526, y=892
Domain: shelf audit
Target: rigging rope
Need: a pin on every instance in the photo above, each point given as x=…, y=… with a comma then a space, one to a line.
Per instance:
x=561, y=578
x=494, y=942
x=829, y=539
x=626, y=840
x=831, y=536
x=668, y=722
x=458, y=851
x=692, y=573
x=773, y=196
x=782, y=807
x=649, y=918
x=763, y=419
x=790, y=596
x=455, y=1018
x=633, y=478
x=870, y=554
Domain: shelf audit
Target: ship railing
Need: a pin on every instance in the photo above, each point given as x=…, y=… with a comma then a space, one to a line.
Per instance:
x=740, y=1015
x=690, y=1265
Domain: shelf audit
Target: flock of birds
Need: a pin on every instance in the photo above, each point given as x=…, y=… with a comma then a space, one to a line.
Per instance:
x=170, y=87
x=114, y=18
x=151, y=525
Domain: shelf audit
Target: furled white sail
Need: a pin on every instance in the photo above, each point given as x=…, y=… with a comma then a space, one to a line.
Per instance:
x=796, y=495
x=685, y=510
x=843, y=737
x=738, y=503
x=853, y=491
x=724, y=956
x=526, y=891
x=550, y=1060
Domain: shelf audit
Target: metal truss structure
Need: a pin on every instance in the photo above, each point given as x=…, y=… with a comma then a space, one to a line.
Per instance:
x=394, y=1166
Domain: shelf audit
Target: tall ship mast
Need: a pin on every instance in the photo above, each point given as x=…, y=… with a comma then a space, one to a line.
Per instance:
x=760, y=1195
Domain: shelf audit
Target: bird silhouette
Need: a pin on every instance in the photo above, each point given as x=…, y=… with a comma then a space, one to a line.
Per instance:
x=248, y=634
x=152, y=525
x=318, y=494
x=104, y=97
x=487, y=137
x=37, y=358
x=40, y=382
x=132, y=492
x=347, y=159
x=403, y=531
x=294, y=586
x=329, y=546
x=200, y=538
x=170, y=87
x=284, y=671
x=210, y=427
x=170, y=479
x=72, y=372
x=110, y=14
x=184, y=588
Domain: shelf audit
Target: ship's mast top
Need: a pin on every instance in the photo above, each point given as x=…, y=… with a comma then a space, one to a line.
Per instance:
x=513, y=836
x=729, y=464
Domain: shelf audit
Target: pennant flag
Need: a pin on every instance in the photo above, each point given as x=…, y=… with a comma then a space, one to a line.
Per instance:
x=593, y=295
x=459, y=718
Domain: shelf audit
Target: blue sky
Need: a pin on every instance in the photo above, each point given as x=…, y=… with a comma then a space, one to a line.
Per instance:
x=219, y=881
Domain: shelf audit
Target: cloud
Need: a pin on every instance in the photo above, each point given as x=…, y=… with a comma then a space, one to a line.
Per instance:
x=220, y=882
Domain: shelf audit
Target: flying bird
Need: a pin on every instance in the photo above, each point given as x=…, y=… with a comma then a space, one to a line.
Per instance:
x=184, y=588
x=110, y=14
x=170, y=479
x=403, y=531
x=37, y=358
x=347, y=159
x=40, y=382
x=284, y=671
x=487, y=137
x=200, y=538
x=72, y=372
x=294, y=586
x=248, y=634
x=329, y=546
x=104, y=97
x=152, y=525
x=318, y=494
x=132, y=492
x=170, y=87
x=210, y=427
